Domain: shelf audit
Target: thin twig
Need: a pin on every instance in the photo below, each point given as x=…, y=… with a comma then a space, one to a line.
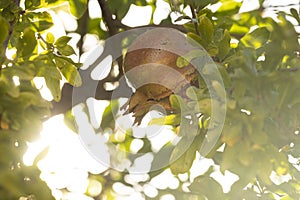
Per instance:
x=114, y=25
x=5, y=44
x=11, y=27
x=282, y=6
x=195, y=19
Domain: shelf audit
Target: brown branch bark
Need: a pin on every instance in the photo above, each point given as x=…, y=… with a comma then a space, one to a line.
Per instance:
x=175, y=26
x=11, y=23
x=107, y=17
x=195, y=19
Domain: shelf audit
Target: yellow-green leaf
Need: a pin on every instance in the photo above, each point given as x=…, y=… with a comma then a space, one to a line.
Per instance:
x=69, y=71
x=66, y=50
x=4, y=29
x=172, y=119
x=206, y=29
x=72, y=75
x=50, y=38
x=183, y=156
x=257, y=38
x=62, y=41
x=78, y=7
x=224, y=45
x=54, y=87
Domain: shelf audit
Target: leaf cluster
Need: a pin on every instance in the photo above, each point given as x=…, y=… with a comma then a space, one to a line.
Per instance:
x=26, y=53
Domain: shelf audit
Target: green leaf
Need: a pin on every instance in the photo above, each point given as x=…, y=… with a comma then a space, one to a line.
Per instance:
x=232, y=133
x=69, y=120
x=69, y=71
x=204, y=3
x=40, y=20
x=142, y=2
x=173, y=119
x=224, y=45
x=249, y=59
x=11, y=88
x=94, y=28
x=194, y=37
x=212, y=49
x=189, y=27
x=239, y=89
x=204, y=106
x=26, y=71
x=29, y=99
x=204, y=185
x=119, y=7
x=183, y=17
x=206, y=29
x=66, y=50
x=218, y=89
x=238, y=29
x=229, y=158
x=4, y=29
x=263, y=165
x=50, y=38
x=225, y=75
x=32, y=4
x=259, y=137
x=183, y=155
x=27, y=44
x=72, y=75
x=295, y=14
x=194, y=93
x=54, y=87
x=256, y=38
x=4, y=3
x=181, y=62
x=78, y=7
x=178, y=103
x=62, y=41
x=46, y=68
x=174, y=101
x=228, y=8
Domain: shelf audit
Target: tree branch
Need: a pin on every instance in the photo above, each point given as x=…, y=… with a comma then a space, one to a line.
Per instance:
x=195, y=19
x=11, y=23
x=107, y=18
x=175, y=26
x=113, y=25
x=282, y=6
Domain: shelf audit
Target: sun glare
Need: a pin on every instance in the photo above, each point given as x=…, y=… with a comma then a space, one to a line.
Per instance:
x=67, y=162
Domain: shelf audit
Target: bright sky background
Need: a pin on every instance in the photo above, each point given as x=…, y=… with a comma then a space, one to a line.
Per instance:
x=67, y=162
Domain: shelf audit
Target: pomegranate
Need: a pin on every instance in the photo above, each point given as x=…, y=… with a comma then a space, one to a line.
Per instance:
x=150, y=66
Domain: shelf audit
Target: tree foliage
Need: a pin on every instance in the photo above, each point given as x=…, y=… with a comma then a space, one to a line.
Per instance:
x=257, y=56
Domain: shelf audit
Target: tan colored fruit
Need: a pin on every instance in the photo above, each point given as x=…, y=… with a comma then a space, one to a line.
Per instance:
x=150, y=66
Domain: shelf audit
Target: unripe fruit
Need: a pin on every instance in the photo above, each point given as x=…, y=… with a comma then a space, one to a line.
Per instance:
x=150, y=66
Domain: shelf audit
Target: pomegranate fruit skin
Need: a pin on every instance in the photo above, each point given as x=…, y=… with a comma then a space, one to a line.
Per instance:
x=150, y=66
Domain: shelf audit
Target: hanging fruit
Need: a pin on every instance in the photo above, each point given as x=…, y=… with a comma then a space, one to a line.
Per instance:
x=150, y=66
